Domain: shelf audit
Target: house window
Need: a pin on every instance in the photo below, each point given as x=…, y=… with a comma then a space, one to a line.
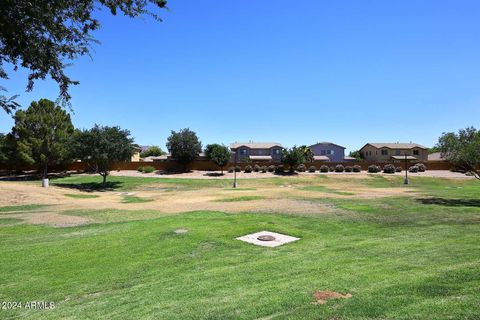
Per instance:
x=415, y=152
x=397, y=152
x=323, y=152
x=243, y=152
x=384, y=152
x=276, y=151
x=329, y=152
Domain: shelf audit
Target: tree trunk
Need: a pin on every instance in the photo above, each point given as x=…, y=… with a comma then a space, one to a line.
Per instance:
x=104, y=182
x=221, y=169
x=45, y=171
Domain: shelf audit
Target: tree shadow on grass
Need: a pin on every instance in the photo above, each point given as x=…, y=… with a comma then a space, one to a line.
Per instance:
x=30, y=176
x=90, y=186
x=450, y=202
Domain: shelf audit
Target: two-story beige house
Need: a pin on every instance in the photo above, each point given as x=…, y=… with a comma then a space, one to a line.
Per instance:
x=383, y=152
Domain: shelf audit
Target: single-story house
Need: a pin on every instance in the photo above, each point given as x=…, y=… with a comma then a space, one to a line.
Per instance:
x=256, y=151
x=328, y=151
x=383, y=152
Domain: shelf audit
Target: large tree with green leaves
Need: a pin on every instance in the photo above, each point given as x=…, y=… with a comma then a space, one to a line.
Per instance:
x=101, y=146
x=42, y=134
x=462, y=149
x=293, y=157
x=45, y=36
x=218, y=154
x=152, y=151
x=184, y=146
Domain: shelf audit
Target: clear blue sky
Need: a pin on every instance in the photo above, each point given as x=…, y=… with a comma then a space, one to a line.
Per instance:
x=294, y=72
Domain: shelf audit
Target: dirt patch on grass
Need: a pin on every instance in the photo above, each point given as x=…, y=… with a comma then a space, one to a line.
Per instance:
x=321, y=297
x=53, y=219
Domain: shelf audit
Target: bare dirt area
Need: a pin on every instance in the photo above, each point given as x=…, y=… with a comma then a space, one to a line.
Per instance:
x=301, y=197
x=321, y=297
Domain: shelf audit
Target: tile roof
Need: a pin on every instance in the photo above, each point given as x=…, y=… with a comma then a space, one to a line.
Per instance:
x=328, y=143
x=397, y=145
x=255, y=145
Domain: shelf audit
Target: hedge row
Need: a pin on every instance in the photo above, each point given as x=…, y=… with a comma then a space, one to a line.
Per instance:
x=388, y=168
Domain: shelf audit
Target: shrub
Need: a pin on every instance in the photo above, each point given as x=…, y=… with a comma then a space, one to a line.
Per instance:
x=263, y=169
x=238, y=168
x=373, y=168
x=421, y=167
x=312, y=169
x=279, y=169
x=146, y=169
x=331, y=169
x=413, y=169
x=248, y=169
x=231, y=169
x=301, y=168
x=324, y=168
x=256, y=168
x=348, y=169
x=339, y=168
x=398, y=169
x=356, y=168
x=389, y=168
x=271, y=168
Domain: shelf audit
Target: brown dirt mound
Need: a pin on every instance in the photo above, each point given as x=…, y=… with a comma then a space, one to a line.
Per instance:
x=321, y=297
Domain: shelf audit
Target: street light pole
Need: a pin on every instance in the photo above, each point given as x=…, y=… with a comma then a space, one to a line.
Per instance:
x=235, y=170
x=406, y=171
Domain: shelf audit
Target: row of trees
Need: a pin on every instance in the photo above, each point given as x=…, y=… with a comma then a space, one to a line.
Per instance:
x=43, y=135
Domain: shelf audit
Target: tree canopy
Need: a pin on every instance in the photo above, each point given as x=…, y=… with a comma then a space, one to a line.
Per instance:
x=42, y=134
x=218, y=154
x=101, y=146
x=293, y=157
x=45, y=36
x=356, y=154
x=462, y=149
x=184, y=146
x=307, y=153
x=152, y=151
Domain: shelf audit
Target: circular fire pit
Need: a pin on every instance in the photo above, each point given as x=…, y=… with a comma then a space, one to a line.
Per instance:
x=266, y=237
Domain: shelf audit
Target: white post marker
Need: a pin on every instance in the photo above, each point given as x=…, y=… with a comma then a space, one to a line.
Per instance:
x=45, y=183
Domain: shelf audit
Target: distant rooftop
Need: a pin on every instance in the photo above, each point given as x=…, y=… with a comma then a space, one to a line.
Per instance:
x=255, y=145
x=328, y=143
x=397, y=145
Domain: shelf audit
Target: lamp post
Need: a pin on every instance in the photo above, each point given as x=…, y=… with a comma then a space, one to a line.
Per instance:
x=235, y=170
x=406, y=171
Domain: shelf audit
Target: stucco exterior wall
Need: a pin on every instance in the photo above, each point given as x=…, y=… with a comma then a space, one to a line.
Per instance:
x=338, y=151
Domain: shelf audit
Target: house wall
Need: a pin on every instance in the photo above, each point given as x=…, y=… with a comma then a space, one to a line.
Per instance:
x=259, y=152
x=338, y=152
x=372, y=154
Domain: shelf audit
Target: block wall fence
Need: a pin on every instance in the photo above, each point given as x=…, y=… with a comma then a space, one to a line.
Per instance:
x=204, y=165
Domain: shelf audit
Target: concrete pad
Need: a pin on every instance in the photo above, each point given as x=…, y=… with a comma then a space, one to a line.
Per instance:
x=280, y=239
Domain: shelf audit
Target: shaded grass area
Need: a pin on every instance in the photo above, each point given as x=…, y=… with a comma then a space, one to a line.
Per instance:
x=81, y=196
x=243, y=198
x=25, y=207
x=5, y=221
x=134, y=199
x=393, y=272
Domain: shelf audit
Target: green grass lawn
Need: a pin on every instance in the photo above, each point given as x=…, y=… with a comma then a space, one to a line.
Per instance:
x=415, y=257
x=242, y=198
x=81, y=196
